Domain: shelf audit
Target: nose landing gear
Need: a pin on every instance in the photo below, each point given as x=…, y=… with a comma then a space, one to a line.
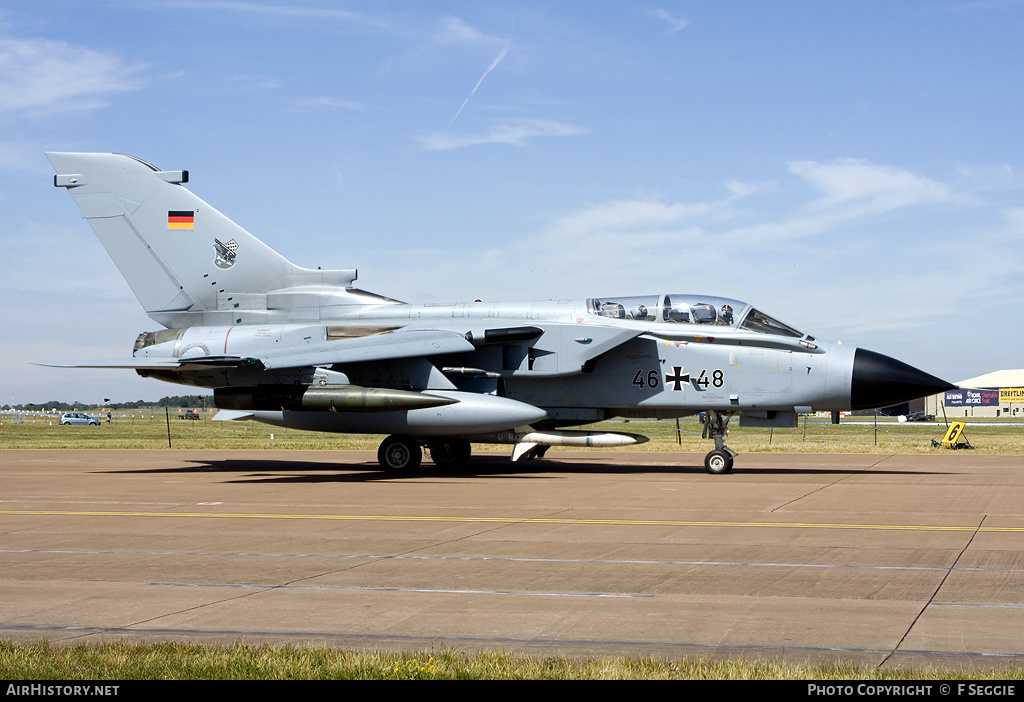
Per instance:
x=716, y=425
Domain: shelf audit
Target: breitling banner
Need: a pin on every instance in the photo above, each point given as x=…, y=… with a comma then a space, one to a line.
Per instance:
x=1008, y=395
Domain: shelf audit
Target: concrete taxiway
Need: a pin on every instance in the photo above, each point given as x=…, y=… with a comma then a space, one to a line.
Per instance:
x=884, y=559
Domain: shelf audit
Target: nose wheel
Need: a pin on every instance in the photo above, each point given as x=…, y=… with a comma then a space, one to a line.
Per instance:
x=719, y=460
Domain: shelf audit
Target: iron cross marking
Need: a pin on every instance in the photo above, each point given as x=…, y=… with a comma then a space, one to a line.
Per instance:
x=677, y=378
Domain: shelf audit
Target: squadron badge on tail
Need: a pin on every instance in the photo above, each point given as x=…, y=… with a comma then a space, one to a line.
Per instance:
x=225, y=253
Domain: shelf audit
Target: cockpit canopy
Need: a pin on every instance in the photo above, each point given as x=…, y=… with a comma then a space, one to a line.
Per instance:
x=691, y=309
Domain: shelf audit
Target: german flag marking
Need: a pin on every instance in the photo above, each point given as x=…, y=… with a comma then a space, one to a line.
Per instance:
x=181, y=219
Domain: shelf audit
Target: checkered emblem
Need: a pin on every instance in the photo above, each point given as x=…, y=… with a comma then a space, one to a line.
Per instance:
x=225, y=253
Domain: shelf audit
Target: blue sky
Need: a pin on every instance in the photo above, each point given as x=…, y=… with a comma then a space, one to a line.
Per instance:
x=851, y=168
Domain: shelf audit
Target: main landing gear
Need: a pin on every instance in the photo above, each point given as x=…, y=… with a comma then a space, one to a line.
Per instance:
x=715, y=427
x=450, y=454
x=400, y=455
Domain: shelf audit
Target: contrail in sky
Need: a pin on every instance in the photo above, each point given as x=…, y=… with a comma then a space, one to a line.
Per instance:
x=494, y=64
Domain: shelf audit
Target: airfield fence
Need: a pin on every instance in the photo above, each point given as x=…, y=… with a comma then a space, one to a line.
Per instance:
x=820, y=432
x=160, y=430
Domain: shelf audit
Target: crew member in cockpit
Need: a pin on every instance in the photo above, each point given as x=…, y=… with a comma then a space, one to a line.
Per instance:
x=727, y=314
x=640, y=312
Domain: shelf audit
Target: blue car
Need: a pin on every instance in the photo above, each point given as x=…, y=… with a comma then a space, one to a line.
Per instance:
x=78, y=418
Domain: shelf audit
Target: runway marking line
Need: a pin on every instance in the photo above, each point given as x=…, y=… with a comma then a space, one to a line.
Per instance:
x=515, y=520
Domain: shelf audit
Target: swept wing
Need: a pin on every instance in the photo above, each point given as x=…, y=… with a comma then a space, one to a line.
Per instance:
x=380, y=347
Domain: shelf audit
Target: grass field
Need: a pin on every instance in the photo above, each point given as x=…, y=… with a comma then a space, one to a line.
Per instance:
x=179, y=661
x=152, y=430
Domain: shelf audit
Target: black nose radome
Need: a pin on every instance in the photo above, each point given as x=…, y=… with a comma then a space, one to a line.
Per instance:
x=880, y=381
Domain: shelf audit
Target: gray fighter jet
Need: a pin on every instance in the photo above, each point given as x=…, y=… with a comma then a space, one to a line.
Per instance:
x=304, y=348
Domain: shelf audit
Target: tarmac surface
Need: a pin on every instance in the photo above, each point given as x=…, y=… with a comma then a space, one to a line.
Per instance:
x=886, y=560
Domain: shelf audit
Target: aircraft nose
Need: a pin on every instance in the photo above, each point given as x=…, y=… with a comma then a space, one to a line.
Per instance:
x=880, y=381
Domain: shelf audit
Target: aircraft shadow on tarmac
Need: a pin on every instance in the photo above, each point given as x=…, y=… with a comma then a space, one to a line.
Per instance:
x=299, y=471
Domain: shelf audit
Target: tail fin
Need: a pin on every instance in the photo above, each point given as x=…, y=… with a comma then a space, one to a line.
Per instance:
x=186, y=262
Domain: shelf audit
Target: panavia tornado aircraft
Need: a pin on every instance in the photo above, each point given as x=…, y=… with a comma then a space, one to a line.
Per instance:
x=303, y=348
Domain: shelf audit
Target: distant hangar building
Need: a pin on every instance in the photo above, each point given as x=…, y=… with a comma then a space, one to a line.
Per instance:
x=998, y=394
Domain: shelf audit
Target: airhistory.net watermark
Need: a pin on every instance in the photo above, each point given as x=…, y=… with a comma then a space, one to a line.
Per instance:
x=50, y=690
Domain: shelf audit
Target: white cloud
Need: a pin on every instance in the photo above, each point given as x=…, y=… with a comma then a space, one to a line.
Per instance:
x=1015, y=218
x=324, y=101
x=26, y=156
x=454, y=29
x=609, y=247
x=851, y=191
x=845, y=181
x=741, y=188
x=675, y=23
x=627, y=215
x=976, y=178
x=657, y=245
x=45, y=75
x=278, y=11
x=515, y=133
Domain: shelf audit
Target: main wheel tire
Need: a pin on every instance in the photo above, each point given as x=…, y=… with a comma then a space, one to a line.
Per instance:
x=718, y=462
x=399, y=455
x=450, y=454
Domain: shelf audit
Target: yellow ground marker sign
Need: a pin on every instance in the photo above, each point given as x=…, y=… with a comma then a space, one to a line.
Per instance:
x=955, y=430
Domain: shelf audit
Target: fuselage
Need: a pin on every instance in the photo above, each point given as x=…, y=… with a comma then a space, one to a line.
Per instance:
x=581, y=359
